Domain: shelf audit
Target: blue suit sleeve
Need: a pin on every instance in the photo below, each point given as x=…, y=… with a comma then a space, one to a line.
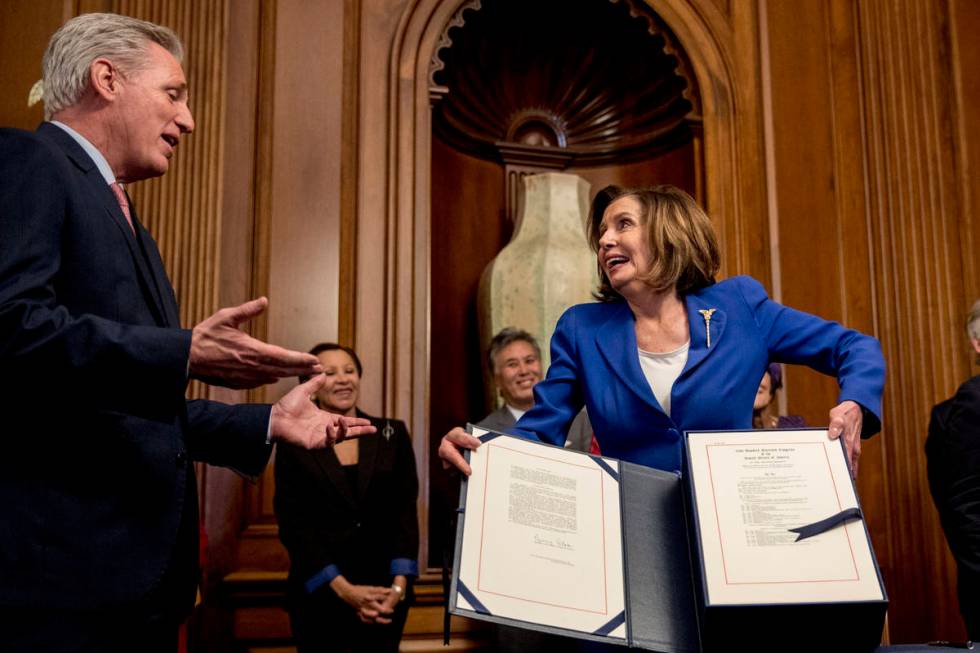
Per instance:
x=557, y=399
x=796, y=337
x=229, y=435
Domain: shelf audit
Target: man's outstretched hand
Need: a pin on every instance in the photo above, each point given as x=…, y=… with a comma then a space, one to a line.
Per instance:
x=296, y=420
x=222, y=354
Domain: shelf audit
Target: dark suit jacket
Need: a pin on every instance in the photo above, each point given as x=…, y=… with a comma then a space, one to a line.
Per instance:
x=953, y=454
x=594, y=361
x=323, y=523
x=96, y=472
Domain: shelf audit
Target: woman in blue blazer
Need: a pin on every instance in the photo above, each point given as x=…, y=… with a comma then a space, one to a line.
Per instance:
x=667, y=349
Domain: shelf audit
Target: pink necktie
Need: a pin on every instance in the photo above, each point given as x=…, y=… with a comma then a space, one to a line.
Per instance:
x=120, y=194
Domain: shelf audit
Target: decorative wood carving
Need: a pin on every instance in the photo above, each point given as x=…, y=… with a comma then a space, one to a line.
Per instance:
x=536, y=75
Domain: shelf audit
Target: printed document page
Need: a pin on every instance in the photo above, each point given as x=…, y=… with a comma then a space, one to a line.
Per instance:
x=751, y=487
x=542, y=537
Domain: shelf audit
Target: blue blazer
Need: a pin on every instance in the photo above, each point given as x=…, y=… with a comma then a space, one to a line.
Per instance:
x=595, y=361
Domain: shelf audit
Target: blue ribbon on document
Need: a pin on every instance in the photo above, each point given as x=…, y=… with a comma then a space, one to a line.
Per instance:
x=824, y=525
x=606, y=466
x=612, y=624
x=490, y=435
x=470, y=597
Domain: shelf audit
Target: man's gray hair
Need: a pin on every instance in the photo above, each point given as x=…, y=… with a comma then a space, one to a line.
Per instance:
x=83, y=39
x=973, y=321
x=506, y=336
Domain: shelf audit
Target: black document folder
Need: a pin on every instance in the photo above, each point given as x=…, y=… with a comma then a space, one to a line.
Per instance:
x=665, y=606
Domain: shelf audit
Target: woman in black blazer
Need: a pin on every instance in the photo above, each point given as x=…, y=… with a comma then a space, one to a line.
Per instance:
x=347, y=515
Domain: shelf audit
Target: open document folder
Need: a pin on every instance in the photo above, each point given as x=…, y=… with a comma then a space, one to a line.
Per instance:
x=595, y=548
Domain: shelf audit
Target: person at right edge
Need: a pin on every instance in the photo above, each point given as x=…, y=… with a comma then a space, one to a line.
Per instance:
x=953, y=464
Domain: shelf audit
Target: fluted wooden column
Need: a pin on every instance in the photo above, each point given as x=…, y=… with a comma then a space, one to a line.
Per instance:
x=915, y=222
x=182, y=209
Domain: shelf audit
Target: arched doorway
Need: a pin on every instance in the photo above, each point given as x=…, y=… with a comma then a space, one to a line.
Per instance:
x=395, y=309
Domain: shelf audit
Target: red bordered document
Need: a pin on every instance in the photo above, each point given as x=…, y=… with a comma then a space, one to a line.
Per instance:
x=559, y=541
x=780, y=543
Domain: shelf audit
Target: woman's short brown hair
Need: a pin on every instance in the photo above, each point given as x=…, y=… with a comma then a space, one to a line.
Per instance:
x=683, y=245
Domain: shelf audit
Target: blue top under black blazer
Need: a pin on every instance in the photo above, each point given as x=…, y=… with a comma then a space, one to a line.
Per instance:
x=595, y=362
x=98, y=502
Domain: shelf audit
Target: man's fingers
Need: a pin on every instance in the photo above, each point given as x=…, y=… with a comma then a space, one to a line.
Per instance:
x=356, y=421
x=313, y=384
x=244, y=312
x=357, y=426
x=282, y=361
x=358, y=431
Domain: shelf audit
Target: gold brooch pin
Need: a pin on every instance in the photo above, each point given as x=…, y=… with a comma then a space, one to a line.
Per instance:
x=707, y=313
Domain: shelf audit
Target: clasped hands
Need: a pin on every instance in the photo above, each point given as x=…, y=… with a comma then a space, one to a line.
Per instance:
x=222, y=354
x=373, y=605
x=846, y=420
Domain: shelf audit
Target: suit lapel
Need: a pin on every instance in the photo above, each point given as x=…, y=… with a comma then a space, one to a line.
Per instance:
x=102, y=193
x=367, y=454
x=616, y=341
x=155, y=271
x=327, y=460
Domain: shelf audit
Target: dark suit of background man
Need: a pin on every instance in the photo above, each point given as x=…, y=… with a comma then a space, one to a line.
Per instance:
x=953, y=450
x=98, y=504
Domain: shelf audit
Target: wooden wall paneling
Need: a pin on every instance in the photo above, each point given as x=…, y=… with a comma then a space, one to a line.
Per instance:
x=25, y=30
x=223, y=495
x=806, y=182
x=299, y=240
x=378, y=23
x=182, y=208
x=914, y=215
x=819, y=188
x=468, y=229
x=722, y=42
x=854, y=258
x=964, y=23
x=347, y=301
x=305, y=176
x=677, y=167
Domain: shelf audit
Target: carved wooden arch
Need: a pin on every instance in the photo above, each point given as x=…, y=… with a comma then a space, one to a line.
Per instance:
x=393, y=308
x=588, y=109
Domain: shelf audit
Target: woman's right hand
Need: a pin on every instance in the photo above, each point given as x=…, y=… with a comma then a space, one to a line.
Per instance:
x=451, y=447
x=368, y=601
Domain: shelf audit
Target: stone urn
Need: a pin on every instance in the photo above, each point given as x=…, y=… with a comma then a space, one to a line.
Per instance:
x=546, y=267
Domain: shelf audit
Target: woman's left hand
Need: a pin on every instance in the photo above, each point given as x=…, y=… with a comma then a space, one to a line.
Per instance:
x=846, y=420
x=393, y=599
